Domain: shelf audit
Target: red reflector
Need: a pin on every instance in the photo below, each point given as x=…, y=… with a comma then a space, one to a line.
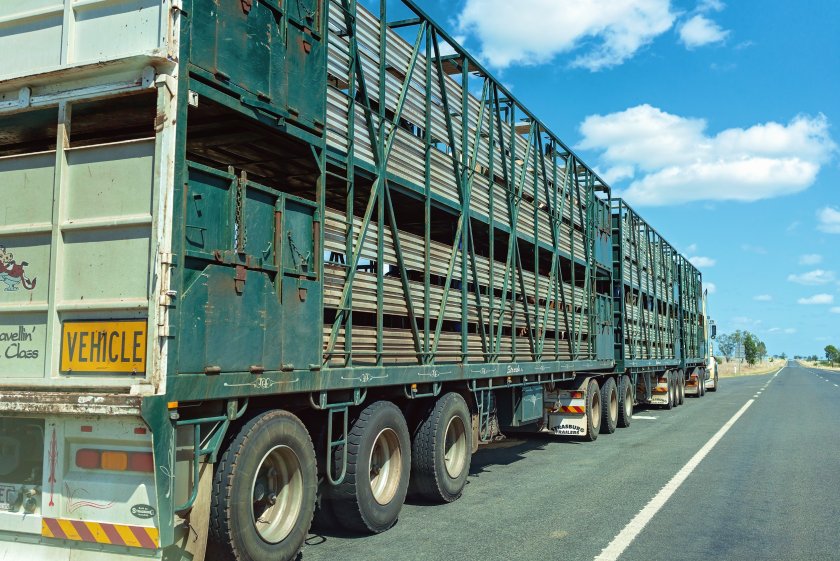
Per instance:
x=141, y=461
x=87, y=459
x=87, y=428
x=139, y=430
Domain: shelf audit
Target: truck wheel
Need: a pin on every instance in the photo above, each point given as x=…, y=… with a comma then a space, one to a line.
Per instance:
x=625, y=402
x=702, y=377
x=378, y=464
x=264, y=490
x=593, y=412
x=442, y=450
x=681, y=378
x=670, y=378
x=675, y=378
x=714, y=388
x=609, y=406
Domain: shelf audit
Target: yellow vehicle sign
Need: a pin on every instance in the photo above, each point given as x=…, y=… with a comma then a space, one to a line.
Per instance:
x=104, y=346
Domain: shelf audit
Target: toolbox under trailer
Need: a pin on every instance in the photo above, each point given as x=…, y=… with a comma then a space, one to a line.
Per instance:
x=264, y=256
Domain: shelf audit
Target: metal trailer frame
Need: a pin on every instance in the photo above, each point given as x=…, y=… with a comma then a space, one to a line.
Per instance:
x=549, y=214
x=259, y=164
x=646, y=304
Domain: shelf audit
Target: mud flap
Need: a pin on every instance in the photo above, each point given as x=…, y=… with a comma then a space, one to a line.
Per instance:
x=191, y=532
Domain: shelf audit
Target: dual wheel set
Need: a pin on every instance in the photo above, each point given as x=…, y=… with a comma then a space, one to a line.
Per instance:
x=265, y=486
x=608, y=406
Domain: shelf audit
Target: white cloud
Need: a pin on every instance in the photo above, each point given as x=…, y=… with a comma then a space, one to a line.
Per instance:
x=835, y=310
x=710, y=6
x=600, y=33
x=699, y=261
x=810, y=259
x=762, y=298
x=829, y=218
x=817, y=299
x=699, y=31
x=711, y=287
x=816, y=277
x=675, y=160
x=790, y=330
x=757, y=249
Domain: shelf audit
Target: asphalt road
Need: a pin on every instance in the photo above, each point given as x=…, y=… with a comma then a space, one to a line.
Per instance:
x=769, y=488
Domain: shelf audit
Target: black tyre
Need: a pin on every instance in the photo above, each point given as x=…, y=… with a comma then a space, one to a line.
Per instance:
x=378, y=464
x=264, y=490
x=625, y=402
x=670, y=378
x=609, y=406
x=441, y=450
x=675, y=378
x=681, y=379
x=593, y=412
x=701, y=375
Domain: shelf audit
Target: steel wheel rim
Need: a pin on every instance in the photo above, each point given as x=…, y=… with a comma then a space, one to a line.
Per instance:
x=455, y=447
x=595, y=412
x=385, y=466
x=277, y=494
x=628, y=402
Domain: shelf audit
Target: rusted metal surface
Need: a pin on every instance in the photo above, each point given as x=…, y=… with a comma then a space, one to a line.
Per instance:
x=36, y=403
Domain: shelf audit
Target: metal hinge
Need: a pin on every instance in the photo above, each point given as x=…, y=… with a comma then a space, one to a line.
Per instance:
x=239, y=279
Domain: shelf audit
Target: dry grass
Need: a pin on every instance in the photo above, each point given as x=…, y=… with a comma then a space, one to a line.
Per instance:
x=728, y=369
x=810, y=364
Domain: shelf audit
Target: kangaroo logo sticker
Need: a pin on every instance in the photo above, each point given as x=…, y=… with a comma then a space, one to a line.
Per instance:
x=12, y=273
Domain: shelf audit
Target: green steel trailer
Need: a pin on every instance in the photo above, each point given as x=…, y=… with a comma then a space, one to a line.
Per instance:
x=658, y=312
x=261, y=258
x=695, y=351
x=646, y=308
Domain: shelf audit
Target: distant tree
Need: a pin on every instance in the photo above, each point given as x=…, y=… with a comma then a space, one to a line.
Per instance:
x=726, y=345
x=751, y=349
x=762, y=350
x=832, y=354
x=783, y=356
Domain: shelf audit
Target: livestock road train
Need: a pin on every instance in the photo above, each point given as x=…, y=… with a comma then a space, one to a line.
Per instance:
x=264, y=258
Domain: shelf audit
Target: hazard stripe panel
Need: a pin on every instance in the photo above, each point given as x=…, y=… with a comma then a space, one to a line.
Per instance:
x=577, y=409
x=100, y=532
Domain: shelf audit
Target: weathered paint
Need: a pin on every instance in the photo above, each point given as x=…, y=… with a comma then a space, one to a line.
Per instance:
x=226, y=267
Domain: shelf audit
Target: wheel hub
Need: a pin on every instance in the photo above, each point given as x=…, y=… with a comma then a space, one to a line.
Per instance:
x=277, y=494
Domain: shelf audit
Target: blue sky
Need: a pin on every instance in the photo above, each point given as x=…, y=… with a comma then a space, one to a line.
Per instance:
x=719, y=121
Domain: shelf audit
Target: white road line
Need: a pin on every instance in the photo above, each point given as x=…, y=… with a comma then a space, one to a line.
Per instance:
x=645, y=417
x=624, y=538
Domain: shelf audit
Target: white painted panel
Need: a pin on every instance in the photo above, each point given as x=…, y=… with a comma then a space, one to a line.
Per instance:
x=115, y=28
x=30, y=40
x=38, y=36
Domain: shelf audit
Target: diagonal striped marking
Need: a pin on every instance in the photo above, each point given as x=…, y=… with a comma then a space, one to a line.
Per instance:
x=144, y=539
x=46, y=530
x=127, y=536
x=83, y=530
x=113, y=536
x=98, y=533
x=69, y=531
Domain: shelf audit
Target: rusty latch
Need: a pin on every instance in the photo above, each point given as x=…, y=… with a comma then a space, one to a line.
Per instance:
x=239, y=279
